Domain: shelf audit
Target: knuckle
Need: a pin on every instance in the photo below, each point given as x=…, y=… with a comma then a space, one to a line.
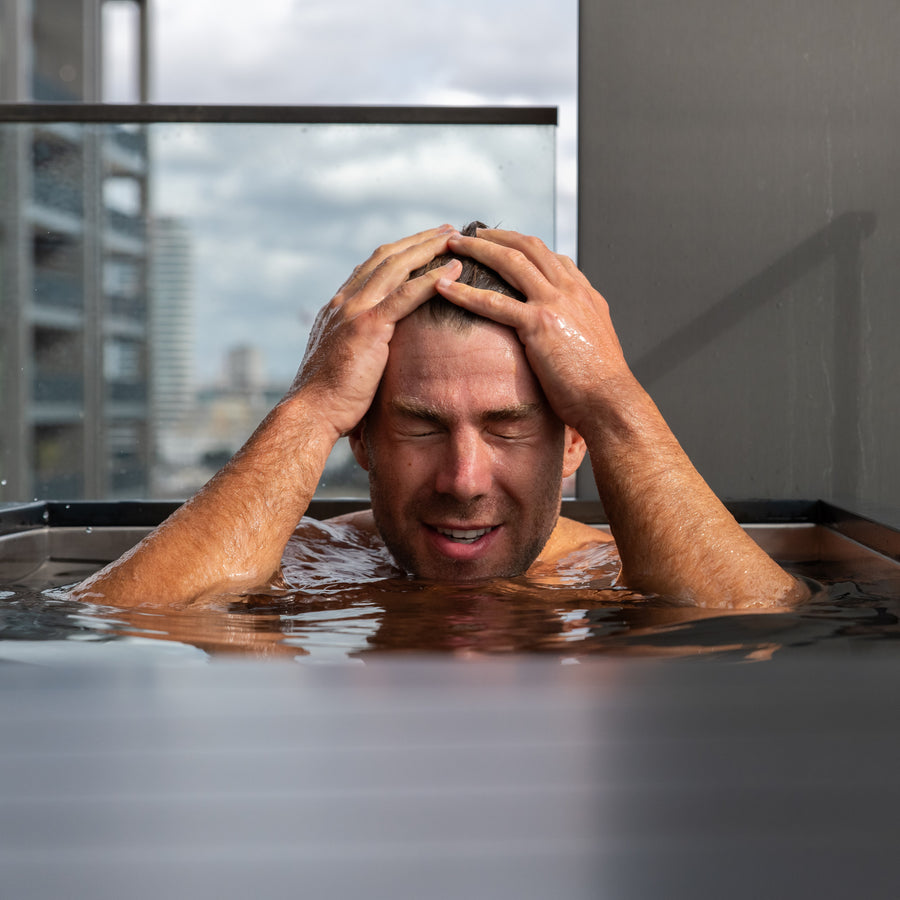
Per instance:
x=356, y=276
x=546, y=318
x=533, y=243
x=385, y=251
x=383, y=269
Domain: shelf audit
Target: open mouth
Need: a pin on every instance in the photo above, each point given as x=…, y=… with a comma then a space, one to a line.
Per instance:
x=464, y=535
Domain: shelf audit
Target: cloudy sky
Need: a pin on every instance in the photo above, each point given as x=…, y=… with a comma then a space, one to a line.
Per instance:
x=252, y=196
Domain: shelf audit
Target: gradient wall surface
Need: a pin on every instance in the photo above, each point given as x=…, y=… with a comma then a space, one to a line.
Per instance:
x=739, y=209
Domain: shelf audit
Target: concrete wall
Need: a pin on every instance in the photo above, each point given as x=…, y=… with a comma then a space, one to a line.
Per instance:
x=740, y=210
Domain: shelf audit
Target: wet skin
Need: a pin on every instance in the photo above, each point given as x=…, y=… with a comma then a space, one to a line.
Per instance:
x=465, y=456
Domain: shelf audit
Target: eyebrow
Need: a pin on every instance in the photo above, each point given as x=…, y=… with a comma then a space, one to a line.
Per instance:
x=513, y=413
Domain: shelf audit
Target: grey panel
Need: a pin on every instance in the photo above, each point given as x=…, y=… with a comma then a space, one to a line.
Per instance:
x=738, y=208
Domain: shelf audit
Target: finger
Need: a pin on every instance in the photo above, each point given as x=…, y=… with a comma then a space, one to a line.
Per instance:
x=570, y=266
x=489, y=304
x=551, y=264
x=362, y=272
x=412, y=294
x=510, y=263
x=394, y=270
x=533, y=248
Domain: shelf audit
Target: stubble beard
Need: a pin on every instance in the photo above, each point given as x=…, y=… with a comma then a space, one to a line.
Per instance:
x=522, y=554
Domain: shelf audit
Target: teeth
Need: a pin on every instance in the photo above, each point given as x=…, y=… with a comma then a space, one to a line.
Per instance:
x=466, y=537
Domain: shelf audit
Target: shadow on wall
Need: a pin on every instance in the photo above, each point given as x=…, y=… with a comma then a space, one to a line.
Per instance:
x=839, y=242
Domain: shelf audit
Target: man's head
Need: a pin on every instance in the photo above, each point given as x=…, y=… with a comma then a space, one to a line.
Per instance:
x=465, y=456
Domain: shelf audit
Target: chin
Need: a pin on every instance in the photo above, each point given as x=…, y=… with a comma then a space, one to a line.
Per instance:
x=421, y=560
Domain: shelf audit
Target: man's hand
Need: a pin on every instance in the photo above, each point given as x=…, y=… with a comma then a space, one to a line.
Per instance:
x=348, y=345
x=565, y=325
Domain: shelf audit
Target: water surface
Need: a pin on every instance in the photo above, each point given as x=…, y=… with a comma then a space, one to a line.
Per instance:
x=342, y=601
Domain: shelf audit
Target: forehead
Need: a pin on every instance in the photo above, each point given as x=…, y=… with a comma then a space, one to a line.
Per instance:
x=484, y=364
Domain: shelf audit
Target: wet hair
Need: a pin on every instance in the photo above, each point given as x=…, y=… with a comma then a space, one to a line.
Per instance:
x=440, y=310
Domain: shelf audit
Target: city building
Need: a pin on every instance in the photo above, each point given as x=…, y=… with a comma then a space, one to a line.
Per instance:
x=171, y=323
x=74, y=255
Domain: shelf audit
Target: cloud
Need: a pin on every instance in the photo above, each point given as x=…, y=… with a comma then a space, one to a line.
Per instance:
x=280, y=214
x=496, y=52
x=356, y=51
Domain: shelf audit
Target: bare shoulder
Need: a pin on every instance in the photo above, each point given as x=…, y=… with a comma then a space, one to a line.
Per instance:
x=356, y=528
x=569, y=536
x=579, y=533
x=362, y=519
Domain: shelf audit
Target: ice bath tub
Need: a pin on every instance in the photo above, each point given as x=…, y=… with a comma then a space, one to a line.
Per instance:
x=852, y=563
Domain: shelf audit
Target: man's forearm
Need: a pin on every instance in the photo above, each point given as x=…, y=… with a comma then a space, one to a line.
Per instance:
x=230, y=536
x=674, y=535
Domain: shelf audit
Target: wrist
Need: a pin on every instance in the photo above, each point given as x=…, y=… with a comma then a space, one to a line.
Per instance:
x=616, y=408
x=302, y=413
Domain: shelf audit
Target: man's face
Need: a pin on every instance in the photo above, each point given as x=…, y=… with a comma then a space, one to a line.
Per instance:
x=465, y=456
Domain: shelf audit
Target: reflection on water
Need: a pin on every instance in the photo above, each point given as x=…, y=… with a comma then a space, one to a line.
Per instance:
x=314, y=619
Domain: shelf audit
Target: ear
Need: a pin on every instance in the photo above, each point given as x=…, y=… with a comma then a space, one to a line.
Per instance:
x=357, y=439
x=573, y=451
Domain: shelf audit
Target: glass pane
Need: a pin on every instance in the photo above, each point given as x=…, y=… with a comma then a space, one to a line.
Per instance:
x=158, y=282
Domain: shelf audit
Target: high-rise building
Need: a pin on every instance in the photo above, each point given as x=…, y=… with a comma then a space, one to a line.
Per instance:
x=74, y=256
x=171, y=323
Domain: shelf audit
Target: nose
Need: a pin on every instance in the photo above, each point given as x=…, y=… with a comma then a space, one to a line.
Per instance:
x=466, y=467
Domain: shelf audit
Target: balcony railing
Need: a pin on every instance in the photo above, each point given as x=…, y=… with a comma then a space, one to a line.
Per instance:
x=58, y=289
x=51, y=190
x=58, y=388
x=130, y=307
x=134, y=227
x=130, y=140
x=126, y=392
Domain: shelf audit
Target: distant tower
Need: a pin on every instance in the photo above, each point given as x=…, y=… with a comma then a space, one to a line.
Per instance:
x=245, y=370
x=171, y=322
x=73, y=266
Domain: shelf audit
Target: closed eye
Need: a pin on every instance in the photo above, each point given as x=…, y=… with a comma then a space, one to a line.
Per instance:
x=416, y=427
x=517, y=432
x=514, y=423
x=413, y=420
